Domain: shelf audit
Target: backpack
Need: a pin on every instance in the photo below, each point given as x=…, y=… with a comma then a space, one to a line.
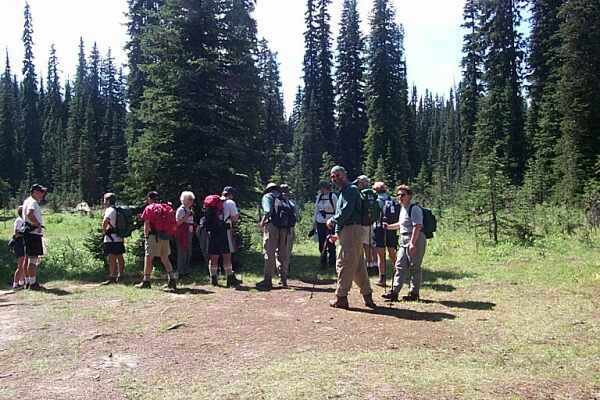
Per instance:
x=330, y=198
x=370, y=211
x=213, y=211
x=429, y=221
x=163, y=220
x=391, y=212
x=124, y=225
x=283, y=214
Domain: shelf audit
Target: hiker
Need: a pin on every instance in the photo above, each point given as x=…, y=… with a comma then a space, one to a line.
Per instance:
x=232, y=218
x=364, y=185
x=349, y=232
x=114, y=246
x=18, y=246
x=412, y=246
x=219, y=213
x=385, y=239
x=278, y=218
x=286, y=193
x=159, y=226
x=325, y=209
x=184, y=217
x=34, y=223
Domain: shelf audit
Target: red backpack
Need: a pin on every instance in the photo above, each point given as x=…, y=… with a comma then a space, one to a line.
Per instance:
x=213, y=210
x=163, y=219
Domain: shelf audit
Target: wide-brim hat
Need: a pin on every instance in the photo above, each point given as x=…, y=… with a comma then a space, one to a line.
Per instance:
x=270, y=187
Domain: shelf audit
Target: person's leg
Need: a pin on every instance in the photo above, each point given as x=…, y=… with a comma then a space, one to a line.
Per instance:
x=401, y=267
x=284, y=255
x=270, y=241
x=148, y=267
x=213, y=268
x=181, y=259
x=392, y=252
x=361, y=276
x=120, y=266
x=112, y=266
x=19, y=272
x=322, y=234
x=346, y=261
x=32, y=265
x=415, y=262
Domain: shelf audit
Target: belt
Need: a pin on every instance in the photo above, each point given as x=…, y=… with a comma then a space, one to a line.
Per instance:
x=406, y=233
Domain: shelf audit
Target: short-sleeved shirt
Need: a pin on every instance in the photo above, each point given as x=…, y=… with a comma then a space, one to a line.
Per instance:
x=268, y=200
x=19, y=225
x=407, y=222
x=31, y=204
x=180, y=215
x=230, y=210
x=110, y=215
x=325, y=207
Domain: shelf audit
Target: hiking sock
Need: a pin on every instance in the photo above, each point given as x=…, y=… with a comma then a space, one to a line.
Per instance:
x=32, y=280
x=21, y=283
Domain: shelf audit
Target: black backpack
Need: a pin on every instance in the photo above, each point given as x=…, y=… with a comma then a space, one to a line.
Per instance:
x=391, y=212
x=283, y=214
x=429, y=221
x=124, y=224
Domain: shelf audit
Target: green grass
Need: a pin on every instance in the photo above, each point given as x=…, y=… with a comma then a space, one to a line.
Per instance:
x=515, y=322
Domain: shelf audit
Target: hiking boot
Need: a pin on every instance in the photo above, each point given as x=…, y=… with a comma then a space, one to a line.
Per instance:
x=340, y=302
x=109, y=281
x=143, y=285
x=283, y=282
x=172, y=284
x=390, y=296
x=214, y=280
x=232, y=281
x=265, y=285
x=411, y=297
x=35, y=286
x=368, y=298
x=381, y=282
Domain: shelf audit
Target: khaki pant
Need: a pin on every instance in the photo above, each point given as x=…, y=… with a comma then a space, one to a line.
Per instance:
x=276, y=250
x=350, y=262
x=411, y=266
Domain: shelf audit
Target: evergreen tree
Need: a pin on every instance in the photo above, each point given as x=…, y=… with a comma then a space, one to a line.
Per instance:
x=387, y=96
x=76, y=119
x=53, y=124
x=9, y=172
x=471, y=86
x=32, y=133
x=579, y=94
x=352, y=122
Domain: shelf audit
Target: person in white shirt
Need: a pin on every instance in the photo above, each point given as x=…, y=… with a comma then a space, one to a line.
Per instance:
x=34, y=223
x=325, y=206
x=185, y=232
x=19, y=249
x=114, y=247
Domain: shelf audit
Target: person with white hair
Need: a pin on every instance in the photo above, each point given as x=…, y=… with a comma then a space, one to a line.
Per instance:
x=185, y=232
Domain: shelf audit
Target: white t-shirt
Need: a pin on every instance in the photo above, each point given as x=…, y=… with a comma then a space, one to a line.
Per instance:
x=180, y=215
x=230, y=210
x=19, y=225
x=324, y=206
x=31, y=204
x=407, y=222
x=110, y=214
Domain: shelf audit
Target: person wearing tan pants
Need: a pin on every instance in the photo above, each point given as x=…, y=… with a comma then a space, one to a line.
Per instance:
x=350, y=263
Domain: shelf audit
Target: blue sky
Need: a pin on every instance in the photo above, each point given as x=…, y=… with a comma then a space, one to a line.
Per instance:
x=433, y=34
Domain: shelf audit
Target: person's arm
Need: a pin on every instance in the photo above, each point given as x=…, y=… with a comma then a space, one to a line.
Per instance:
x=32, y=218
x=180, y=216
x=106, y=224
x=147, y=228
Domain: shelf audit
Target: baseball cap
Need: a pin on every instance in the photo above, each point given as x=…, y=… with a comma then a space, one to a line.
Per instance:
x=38, y=188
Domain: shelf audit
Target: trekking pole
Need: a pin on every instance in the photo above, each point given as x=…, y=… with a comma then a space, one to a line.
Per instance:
x=384, y=258
x=323, y=250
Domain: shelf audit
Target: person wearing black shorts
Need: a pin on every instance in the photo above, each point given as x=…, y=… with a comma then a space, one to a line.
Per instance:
x=114, y=246
x=18, y=246
x=385, y=239
x=34, y=249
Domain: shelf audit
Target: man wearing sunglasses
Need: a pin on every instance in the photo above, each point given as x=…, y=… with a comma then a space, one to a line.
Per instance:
x=412, y=246
x=349, y=231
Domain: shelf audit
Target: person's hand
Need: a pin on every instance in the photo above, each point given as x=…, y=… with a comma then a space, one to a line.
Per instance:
x=412, y=250
x=330, y=223
x=333, y=238
x=385, y=225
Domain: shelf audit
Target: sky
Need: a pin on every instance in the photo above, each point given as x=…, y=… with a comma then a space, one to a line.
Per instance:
x=433, y=38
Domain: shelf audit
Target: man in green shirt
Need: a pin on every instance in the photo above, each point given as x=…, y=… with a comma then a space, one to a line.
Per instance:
x=349, y=231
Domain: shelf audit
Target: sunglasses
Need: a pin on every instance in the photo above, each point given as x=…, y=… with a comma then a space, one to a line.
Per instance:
x=401, y=194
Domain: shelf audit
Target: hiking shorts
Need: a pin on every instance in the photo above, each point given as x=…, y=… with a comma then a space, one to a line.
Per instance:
x=114, y=248
x=390, y=240
x=155, y=247
x=33, y=245
x=218, y=241
x=367, y=237
x=19, y=247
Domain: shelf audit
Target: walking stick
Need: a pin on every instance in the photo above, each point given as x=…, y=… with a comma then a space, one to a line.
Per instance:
x=323, y=250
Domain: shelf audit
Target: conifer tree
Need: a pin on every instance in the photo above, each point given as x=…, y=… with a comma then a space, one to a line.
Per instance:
x=76, y=119
x=387, y=96
x=579, y=94
x=32, y=134
x=8, y=173
x=351, y=112
x=53, y=124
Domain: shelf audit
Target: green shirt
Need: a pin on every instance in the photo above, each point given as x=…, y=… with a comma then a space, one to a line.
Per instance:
x=348, y=207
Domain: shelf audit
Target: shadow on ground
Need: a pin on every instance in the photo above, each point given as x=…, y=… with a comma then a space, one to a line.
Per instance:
x=402, y=313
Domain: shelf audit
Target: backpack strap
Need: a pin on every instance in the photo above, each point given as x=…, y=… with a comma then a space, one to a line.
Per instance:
x=331, y=201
